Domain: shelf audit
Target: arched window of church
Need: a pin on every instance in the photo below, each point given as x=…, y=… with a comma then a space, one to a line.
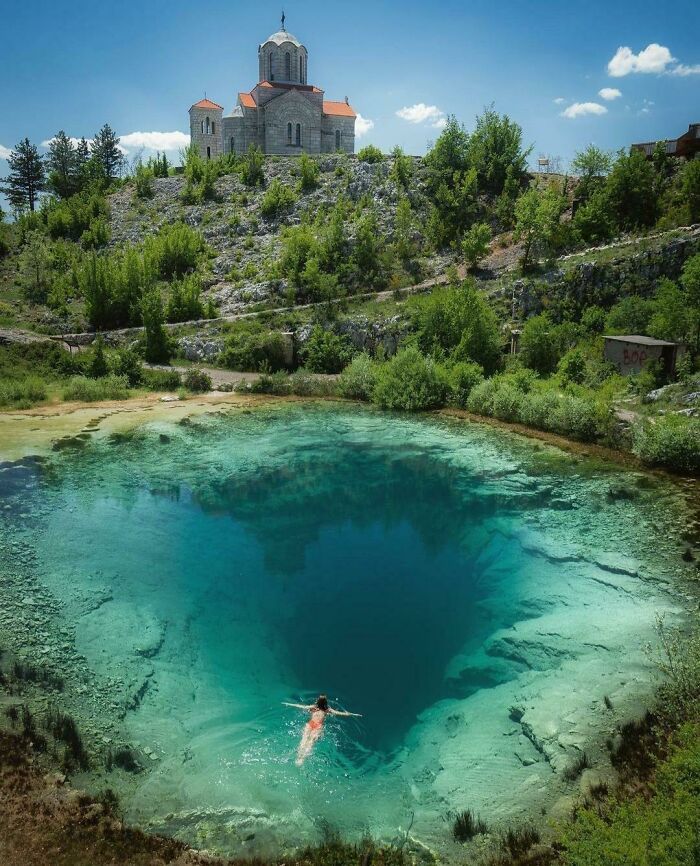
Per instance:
x=202, y=127
x=213, y=127
x=289, y=133
x=208, y=153
x=298, y=141
x=270, y=75
x=301, y=69
x=208, y=126
x=288, y=67
x=233, y=144
x=337, y=139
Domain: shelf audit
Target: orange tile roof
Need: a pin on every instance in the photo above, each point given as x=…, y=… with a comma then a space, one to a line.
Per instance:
x=207, y=103
x=246, y=100
x=338, y=109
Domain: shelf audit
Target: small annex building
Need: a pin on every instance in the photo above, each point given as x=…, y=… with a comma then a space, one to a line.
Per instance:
x=629, y=353
x=283, y=114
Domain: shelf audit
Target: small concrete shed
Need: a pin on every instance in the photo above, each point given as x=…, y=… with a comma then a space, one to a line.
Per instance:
x=630, y=352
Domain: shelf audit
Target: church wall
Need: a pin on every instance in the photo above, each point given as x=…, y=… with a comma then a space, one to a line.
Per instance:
x=346, y=126
x=203, y=140
x=292, y=109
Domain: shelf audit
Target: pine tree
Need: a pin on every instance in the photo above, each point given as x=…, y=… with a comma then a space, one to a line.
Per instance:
x=62, y=165
x=106, y=152
x=166, y=166
x=27, y=177
x=157, y=348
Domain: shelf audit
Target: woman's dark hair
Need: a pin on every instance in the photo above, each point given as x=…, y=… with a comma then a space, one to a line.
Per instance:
x=322, y=703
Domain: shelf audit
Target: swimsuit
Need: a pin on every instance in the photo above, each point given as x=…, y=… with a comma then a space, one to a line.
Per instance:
x=315, y=724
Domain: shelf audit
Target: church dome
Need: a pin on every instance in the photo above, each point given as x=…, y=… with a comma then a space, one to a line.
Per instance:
x=283, y=36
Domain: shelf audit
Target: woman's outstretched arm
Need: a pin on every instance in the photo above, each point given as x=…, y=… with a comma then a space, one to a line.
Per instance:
x=298, y=706
x=344, y=713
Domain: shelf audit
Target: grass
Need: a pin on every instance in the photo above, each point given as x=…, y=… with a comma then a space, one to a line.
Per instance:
x=62, y=727
x=466, y=825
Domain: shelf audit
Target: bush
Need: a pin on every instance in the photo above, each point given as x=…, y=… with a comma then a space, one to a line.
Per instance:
x=572, y=367
x=308, y=173
x=278, y=198
x=90, y=390
x=184, y=303
x=357, y=380
x=306, y=384
x=143, y=182
x=670, y=441
x=411, y=382
x=464, y=377
x=175, y=250
x=251, y=167
x=254, y=350
x=370, y=153
x=480, y=400
x=127, y=363
x=325, y=351
x=22, y=393
x=161, y=380
x=475, y=243
x=507, y=402
x=197, y=381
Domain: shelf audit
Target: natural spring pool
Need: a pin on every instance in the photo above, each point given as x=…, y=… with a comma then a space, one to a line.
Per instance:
x=474, y=595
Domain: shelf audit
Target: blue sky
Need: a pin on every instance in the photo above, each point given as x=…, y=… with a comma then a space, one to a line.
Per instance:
x=404, y=66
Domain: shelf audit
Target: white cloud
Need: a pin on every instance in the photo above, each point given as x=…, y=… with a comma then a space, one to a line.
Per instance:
x=581, y=109
x=654, y=58
x=4, y=152
x=684, y=70
x=610, y=93
x=73, y=141
x=422, y=113
x=154, y=141
x=363, y=125
x=559, y=100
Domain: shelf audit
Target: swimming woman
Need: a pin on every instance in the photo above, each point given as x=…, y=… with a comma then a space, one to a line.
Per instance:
x=314, y=727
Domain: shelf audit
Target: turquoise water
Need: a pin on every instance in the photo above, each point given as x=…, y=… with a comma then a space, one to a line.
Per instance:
x=427, y=574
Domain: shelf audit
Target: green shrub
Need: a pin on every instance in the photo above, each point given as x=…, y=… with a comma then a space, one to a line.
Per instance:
x=577, y=417
x=538, y=409
x=175, y=250
x=670, y=441
x=464, y=377
x=357, y=380
x=251, y=167
x=197, y=381
x=87, y=390
x=278, y=199
x=475, y=243
x=480, y=400
x=572, y=367
x=411, y=382
x=370, y=153
x=308, y=169
x=98, y=362
x=161, y=380
x=325, y=351
x=304, y=383
x=143, y=182
x=254, y=350
x=127, y=363
x=22, y=393
x=662, y=829
x=184, y=303
x=507, y=402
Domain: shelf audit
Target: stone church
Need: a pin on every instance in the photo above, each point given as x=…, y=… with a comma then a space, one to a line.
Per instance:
x=282, y=114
